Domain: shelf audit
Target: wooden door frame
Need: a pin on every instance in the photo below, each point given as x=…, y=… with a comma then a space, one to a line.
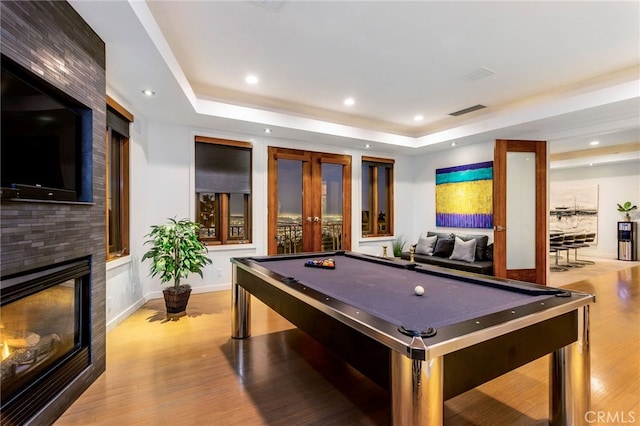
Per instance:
x=312, y=163
x=502, y=146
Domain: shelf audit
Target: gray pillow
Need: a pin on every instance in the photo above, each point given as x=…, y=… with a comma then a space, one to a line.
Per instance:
x=426, y=245
x=481, y=244
x=464, y=250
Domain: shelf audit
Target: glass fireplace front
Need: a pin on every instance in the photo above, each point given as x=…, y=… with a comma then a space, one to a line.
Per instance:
x=43, y=326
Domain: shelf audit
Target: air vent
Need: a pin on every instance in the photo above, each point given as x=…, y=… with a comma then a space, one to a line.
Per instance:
x=273, y=5
x=478, y=74
x=467, y=110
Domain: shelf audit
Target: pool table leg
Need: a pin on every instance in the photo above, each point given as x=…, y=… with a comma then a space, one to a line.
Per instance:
x=416, y=390
x=570, y=378
x=240, y=309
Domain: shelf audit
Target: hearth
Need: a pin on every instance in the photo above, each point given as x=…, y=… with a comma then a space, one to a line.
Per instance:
x=44, y=336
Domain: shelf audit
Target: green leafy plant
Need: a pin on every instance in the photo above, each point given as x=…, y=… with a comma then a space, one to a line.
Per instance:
x=398, y=245
x=626, y=207
x=175, y=251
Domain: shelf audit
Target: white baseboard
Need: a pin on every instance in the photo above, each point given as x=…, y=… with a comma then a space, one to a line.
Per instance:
x=125, y=314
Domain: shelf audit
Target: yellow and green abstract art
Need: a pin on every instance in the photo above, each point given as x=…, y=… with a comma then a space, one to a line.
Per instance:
x=464, y=196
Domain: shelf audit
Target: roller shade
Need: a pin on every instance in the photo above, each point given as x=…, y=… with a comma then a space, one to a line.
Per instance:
x=222, y=169
x=118, y=123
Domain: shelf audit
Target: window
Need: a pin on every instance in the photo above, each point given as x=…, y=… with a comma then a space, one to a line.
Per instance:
x=223, y=190
x=377, y=197
x=117, y=170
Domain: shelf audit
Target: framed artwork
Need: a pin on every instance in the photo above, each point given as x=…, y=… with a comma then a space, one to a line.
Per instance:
x=464, y=196
x=573, y=208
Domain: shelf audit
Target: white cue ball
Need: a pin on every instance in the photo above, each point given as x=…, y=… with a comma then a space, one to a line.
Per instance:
x=419, y=290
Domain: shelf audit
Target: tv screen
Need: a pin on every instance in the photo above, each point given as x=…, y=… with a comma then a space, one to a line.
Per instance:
x=41, y=139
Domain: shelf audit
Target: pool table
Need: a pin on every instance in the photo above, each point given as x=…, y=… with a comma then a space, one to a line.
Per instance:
x=464, y=330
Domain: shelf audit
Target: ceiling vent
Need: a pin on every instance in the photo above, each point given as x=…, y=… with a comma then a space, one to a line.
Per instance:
x=467, y=110
x=273, y=5
x=478, y=74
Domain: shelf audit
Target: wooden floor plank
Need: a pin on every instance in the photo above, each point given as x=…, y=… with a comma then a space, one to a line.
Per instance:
x=190, y=372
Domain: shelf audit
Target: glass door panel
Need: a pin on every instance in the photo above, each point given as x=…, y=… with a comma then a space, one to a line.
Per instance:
x=289, y=190
x=521, y=210
x=332, y=215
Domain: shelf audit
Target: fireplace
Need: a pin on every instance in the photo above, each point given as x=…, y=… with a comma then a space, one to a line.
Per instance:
x=44, y=335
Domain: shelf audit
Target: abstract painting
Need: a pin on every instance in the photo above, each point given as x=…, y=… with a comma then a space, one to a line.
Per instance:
x=464, y=196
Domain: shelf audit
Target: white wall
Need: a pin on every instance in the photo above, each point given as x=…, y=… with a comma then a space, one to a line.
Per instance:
x=617, y=183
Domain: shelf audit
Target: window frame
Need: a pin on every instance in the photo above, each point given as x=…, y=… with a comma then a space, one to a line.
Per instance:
x=373, y=187
x=222, y=203
x=123, y=231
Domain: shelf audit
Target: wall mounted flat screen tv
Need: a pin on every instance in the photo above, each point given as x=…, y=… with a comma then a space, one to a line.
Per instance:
x=45, y=138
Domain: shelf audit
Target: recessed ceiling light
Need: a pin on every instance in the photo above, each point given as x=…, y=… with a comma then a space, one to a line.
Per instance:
x=267, y=130
x=594, y=143
x=349, y=101
x=453, y=144
x=148, y=92
x=251, y=79
x=590, y=164
x=418, y=117
x=367, y=145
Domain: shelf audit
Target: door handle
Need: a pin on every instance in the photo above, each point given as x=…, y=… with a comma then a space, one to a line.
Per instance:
x=316, y=219
x=499, y=228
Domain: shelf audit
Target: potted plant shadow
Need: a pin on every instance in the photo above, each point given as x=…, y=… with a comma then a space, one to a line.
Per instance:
x=176, y=252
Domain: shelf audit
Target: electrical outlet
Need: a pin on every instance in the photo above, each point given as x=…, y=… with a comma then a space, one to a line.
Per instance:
x=219, y=272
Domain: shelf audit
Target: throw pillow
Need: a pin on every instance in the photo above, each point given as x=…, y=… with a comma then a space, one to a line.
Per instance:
x=481, y=244
x=426, y=245
x=444, y=248
x=489, y=255
x=464, y=250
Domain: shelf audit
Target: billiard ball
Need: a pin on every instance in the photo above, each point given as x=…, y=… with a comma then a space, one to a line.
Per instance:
x=419, y=290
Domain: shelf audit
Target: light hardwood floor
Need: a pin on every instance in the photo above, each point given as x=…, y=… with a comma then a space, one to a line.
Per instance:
x=190, y=372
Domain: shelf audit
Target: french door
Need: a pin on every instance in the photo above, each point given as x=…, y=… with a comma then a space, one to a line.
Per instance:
x=309, y=201
x=520, y=210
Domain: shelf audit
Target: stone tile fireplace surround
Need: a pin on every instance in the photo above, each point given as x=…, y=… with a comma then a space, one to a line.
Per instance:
x=51, y=40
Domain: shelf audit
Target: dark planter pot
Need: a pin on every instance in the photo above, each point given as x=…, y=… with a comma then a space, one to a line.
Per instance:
x=176, y=301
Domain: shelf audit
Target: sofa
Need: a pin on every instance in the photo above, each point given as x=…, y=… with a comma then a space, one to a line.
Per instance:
x=463, y=252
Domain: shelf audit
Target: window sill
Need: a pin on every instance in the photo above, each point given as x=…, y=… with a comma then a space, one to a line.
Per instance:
x=377, y=239
x=117, y=262
x=230, y=247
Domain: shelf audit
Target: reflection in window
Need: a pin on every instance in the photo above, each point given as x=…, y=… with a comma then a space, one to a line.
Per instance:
x=223, y=190
x=377, y=197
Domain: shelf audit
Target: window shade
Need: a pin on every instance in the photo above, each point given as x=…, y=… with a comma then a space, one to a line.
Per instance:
x=117, y=123
x=222, y=169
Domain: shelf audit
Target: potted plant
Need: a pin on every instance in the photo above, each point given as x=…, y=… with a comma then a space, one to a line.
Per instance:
x=398, y=245
x=626, y=208
x=175, y=252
